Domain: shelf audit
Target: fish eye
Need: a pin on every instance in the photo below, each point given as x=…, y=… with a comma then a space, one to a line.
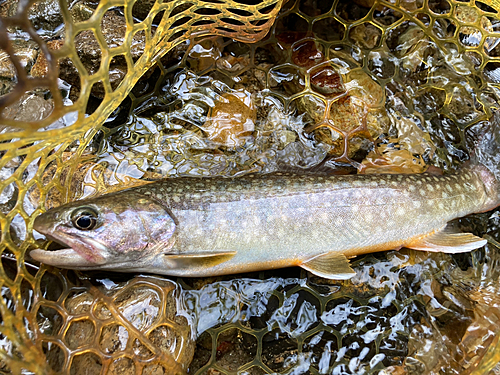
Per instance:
x=84, y=219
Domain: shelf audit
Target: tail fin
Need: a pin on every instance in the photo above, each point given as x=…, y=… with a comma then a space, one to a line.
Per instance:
x=487, y=146
x=485, y=159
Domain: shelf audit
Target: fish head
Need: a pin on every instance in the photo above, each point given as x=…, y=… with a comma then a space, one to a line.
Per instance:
x=115, y=231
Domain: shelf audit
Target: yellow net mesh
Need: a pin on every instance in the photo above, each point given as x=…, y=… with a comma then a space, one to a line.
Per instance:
x=91, y=103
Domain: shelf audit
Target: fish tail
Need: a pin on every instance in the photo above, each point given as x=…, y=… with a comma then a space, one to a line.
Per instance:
x=485, y=157
x=486, y=150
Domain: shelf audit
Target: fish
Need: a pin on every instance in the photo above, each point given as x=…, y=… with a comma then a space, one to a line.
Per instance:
x=197, y=227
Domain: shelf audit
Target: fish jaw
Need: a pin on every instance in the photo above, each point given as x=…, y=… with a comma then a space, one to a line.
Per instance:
x=81, y=251
x=66, y=258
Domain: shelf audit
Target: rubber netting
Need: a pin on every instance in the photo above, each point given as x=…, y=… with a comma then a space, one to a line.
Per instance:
x=100, y=95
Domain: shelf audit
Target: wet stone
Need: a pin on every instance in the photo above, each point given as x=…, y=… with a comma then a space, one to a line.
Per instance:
x=81, y=11
x=54, y=355
x=307, y=53
x=113, y=28
x=140, y=305
x=203, y=352
x=80, y=333
x=155, y=369
x=113, y=338
x=231, y=120
x=41, y=66
x=46, y=16
x=315, y=7
x=29, y=108
x=165, y=338
x=141, y=350
x=366, y=35
x=277, y=347
x=327, y=81
x=101, y=311
x=49, y=320
x=386, y=16
x=352, y=11
x=382, y=65
x=122, y=366
x=329, y=29
x=439, y=6
x=286, y=80
x=235, y=349
x=79, y=303
x=26, y=53
x=84, y=364
x=51, y=286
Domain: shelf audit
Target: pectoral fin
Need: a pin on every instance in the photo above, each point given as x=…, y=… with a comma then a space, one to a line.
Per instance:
x=202, y=259
x=448, y=241
x=330, y=266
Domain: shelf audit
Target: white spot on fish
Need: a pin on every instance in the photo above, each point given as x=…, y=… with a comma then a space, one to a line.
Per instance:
x=324, y=216
x=412, y=188
x=358, y=194
x=444, y=194
x=400, y=211
x=430, y=188
x=417, y=204
x=440, y=205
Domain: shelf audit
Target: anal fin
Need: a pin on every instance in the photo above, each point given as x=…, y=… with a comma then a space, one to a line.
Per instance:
x=332, y=265
x=448, y=241
x=201, y=259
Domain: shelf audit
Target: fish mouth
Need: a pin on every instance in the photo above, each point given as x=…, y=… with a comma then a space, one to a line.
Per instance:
x=82, y=252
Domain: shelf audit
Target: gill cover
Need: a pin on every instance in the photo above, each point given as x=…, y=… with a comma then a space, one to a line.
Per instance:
x=123, y=230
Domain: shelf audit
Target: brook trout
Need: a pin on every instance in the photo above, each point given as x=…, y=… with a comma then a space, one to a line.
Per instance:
x=217, y=226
